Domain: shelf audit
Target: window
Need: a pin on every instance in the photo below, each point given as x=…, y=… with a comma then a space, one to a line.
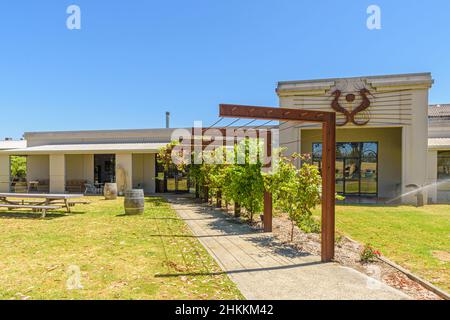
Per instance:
x=443, y=175
x=356, y=167
x=443, y=165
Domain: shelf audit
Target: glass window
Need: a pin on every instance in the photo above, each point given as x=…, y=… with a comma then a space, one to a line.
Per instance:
x=356, y=167
x=443, y=165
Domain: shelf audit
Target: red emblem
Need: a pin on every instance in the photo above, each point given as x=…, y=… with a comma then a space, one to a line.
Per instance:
x=350, y=115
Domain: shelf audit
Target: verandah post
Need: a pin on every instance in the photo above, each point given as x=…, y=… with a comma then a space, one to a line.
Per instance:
x=328, y=187
x=267, y=217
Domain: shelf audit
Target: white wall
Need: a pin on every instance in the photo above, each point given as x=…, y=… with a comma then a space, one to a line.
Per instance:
x=144, y=172
x=38, y=168
x=80, y=167
x=57, y=173
x=4, y=173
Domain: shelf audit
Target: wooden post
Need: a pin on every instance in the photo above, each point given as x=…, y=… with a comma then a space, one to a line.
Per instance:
x=268, y=205
x=328, y=187
x=205, y=194
x=267, y=218
x=197, y=191
x=237, y=209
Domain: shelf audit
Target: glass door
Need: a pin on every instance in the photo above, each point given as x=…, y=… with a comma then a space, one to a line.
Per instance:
x=351, y=176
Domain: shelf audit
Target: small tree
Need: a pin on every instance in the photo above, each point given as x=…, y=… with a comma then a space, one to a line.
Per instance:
x=18, y=167
x=245, y=181
x=296, y=192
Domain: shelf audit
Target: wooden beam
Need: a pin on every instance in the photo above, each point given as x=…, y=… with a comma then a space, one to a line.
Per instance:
x=265, y=113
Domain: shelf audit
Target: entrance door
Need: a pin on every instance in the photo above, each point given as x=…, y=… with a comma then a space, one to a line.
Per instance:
x=104, y=168
x=356, y=167
x=351, y=176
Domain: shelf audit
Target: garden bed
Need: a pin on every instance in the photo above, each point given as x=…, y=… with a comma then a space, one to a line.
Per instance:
x=347, y=253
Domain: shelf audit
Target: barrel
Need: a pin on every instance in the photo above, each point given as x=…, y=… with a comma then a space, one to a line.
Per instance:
x=134, y=201
x=110, y=191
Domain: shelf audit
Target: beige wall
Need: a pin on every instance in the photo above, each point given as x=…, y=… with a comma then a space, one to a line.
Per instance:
x=57, y=173
x=389, y=153
x=98, y=136
x=144, y=172
x=38, y=167
x=80, y=167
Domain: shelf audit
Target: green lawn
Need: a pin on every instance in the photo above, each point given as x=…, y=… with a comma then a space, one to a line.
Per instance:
x=415, y=238
x=151, y=256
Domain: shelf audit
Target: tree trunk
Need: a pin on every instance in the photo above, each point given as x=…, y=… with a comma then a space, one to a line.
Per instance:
x=237, y=209
x=205, y=194
x=219, y=199
x=292, y=231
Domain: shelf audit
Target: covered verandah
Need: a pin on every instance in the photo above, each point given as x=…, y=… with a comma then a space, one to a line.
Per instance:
x=68, y=168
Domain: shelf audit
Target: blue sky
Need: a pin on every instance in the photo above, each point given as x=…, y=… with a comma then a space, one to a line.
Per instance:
x=133, y=60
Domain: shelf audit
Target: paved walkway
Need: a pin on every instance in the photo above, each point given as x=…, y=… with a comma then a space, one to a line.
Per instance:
x=263, y=268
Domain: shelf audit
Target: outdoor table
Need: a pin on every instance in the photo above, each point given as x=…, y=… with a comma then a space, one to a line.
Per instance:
x=32, y=185
x=47, y=199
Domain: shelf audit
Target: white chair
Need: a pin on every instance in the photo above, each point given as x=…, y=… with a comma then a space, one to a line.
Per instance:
x=90, y=188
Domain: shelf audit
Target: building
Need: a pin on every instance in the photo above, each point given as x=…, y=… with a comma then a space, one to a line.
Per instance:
x=389, y=142
x=65, y=161
x=387, y=145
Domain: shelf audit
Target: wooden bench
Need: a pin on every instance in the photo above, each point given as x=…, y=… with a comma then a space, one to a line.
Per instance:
x=33, y=207
x=72, y=203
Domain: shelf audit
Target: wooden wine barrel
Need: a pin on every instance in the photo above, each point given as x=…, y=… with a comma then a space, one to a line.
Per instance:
x=110, y=191
x=134, y=201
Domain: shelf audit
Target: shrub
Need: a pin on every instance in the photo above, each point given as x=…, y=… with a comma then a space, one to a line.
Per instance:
x=296, y=192
x=368, y=254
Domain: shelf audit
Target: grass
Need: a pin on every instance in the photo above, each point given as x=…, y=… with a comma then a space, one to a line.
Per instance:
x=415, y=238
x=149, y=256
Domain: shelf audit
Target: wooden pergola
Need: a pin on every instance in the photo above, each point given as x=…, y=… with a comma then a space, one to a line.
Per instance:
x=328, y=121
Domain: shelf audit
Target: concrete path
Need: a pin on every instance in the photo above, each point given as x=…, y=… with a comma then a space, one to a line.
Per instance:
x=263, y=268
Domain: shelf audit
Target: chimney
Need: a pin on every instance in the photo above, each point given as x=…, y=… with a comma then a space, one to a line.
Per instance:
x=167, y=119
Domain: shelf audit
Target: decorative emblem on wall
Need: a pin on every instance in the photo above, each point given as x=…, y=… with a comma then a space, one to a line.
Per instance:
x=350, y=115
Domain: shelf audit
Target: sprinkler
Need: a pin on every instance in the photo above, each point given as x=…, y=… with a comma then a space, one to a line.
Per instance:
x=419, y=194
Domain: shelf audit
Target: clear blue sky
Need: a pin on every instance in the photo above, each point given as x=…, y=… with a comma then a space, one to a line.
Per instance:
x=133, y=60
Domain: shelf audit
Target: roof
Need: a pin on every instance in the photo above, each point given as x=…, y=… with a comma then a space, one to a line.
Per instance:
x=439, y=143
x=12, y=144
x=90, y=148
x=439, y=110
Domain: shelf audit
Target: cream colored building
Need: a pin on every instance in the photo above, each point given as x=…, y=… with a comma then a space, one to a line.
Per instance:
x=60, y=160
x=388, y=139
x=383, y=145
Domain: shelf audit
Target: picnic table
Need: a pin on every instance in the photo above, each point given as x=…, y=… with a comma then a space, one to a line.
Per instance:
x=37, y=202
